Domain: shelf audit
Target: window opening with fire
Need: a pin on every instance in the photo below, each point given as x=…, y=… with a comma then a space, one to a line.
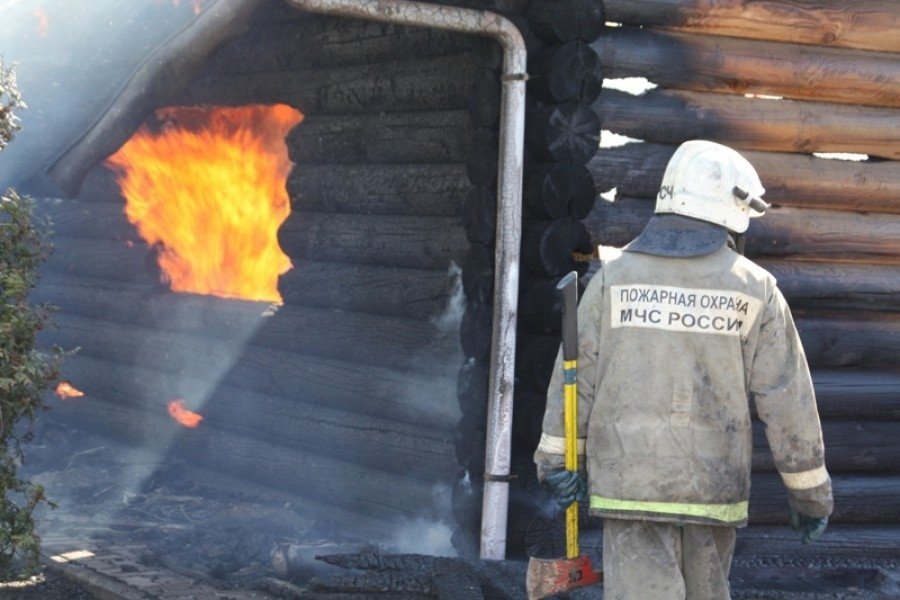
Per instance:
x=205, y=186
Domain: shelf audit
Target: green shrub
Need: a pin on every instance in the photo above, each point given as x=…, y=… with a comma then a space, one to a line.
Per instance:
x=25, y=372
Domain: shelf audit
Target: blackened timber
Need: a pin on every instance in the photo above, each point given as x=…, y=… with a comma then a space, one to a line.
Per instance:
x=79, y=219
x=829, y=286
x=547, y=247
x=484, y=98
x=417, y=137
x=475, y=331
x=850, y=339
x=791, y=180
x=729, y=65
x=864, y=24
x=404, y=241
x=332, y=382
x=564, y=132
x=807, y=234
x=324, y=41
x=407, y=189
x=478, y=274
x=104, y=258
x=482, y=156
x=857, y=499
x=479, y=213
x=540, y=310
x=856, y=446
x=129, y=402
x=556, y=190
x=857, y=393
x=417, y=84
x=673, y=116
x=395, y=291
x=567, y=72
x=388, y=341
x=564, y=20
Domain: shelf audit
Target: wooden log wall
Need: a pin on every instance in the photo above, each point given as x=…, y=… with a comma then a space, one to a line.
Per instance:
x=347, y=393
x=779, y=81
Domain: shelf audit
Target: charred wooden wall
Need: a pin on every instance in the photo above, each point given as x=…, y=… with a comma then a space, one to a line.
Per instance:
x=833, y=236
x=344, y=399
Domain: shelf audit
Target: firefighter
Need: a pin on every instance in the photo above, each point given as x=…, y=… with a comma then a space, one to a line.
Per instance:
x=678, y=332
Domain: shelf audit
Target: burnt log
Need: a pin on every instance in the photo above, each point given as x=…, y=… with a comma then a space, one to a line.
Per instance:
x=331, y=42
x=735, y=66
x=857, y=499
x=535, y=357
x=395, y=291
x=484, y=98
x=478, y=274
x=128, y=403
x=347, y=385
x=417, y=84
x=557, y=190
x=416, y=137
x=547, y=247
x=472, y=388
x=865, y=339
x=791, y=180
x=475, y=331
x=850, y=447
x=827, y=286
x=567, y=72
x=857, y=394
x=424, y=190
x=558, y=21
x=564, y=132
x=808, y=234
x=540, y=309
x=672, y=117
x=482, y=156
x=116, y=260
x=479, y=213
x=387, y=240
x=863, y=24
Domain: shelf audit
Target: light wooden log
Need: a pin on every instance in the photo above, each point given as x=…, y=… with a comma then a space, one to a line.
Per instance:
x=416, y=84
x=411, y=137
x=388, y=341
x=728, y=65
x=324, y=41
x=813, y=235
x=672, y=117
x=425, y=190
x=850, y=447
x=857, y=394
x=399, y=241
x=864, y=24
x=409, y=397
x=790, y=180
x=394, y=291
x=129, y=402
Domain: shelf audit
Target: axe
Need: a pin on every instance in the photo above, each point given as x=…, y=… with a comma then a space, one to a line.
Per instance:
x=552, y=576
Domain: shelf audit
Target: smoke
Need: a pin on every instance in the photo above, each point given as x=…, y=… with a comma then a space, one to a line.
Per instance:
x=451, y=318
x=421, y=536
x=71, y=60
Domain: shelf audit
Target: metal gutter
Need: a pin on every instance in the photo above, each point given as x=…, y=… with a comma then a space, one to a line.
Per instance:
x=509, y=225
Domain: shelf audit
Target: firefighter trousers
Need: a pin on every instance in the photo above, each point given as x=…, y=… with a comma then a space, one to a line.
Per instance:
x=646, y=560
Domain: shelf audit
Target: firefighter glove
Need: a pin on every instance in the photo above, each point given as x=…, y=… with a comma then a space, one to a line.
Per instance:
x=809, y=528
x=568, y=487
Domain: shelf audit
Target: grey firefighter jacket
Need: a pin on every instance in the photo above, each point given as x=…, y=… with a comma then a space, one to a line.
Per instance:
x=671, y=351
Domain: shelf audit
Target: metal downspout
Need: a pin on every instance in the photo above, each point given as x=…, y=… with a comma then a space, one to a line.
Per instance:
x=509, y=225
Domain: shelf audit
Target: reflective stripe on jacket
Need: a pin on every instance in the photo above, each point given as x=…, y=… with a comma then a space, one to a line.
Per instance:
x=671, y=350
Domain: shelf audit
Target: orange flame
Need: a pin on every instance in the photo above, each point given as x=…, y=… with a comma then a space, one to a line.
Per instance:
x=65, y=390
x=43, y=21
x=182, y=415
x=208, y=187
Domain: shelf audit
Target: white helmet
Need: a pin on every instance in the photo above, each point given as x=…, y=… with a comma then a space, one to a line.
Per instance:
x=711, y=182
